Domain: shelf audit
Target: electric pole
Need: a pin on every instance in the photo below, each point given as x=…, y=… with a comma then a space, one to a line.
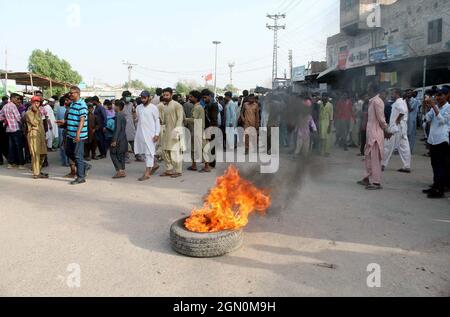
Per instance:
x=275, y=27
x=6, y=72
x=130, y=69
x=216, y=43
x=291, y=65
x=231, y=65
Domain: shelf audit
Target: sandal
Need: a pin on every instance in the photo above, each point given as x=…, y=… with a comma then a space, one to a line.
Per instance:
x=155, y=169
x=364, y=183
x=374, y=187
x=144, y=178
x=192, y=169
x=166, y=174
x=176, y=175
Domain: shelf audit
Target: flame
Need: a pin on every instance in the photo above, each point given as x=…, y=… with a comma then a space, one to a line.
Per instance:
x=229, y=205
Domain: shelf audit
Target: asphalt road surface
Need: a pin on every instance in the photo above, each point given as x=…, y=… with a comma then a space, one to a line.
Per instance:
x=115, y=234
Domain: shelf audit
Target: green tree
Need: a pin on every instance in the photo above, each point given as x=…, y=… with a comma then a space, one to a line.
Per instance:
x=50, y=65
x=135, y=84
x=231, y=88
x=184, y=88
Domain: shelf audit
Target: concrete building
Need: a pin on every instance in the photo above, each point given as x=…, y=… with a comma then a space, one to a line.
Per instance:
x=391, y=42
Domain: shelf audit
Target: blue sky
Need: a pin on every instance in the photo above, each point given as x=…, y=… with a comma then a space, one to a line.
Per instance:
x=170, y=40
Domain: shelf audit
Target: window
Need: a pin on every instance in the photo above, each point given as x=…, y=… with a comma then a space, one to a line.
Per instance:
x=348, y=5
x=435, y=31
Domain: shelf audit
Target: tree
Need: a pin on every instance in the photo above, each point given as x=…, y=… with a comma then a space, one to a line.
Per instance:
x=139, y=85
x=231, y=88
x=183, y=88
x=50, y=65
x=135, y=84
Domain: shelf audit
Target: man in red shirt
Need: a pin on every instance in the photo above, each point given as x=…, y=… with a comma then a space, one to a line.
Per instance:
x=343, y=117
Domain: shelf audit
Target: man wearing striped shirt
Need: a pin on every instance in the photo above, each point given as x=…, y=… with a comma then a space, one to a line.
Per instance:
x=77, y=134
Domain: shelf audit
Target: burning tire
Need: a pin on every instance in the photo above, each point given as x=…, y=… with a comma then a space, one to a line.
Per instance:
x=204, y=245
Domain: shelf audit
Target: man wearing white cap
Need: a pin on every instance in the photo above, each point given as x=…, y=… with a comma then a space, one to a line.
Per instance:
x=147, y=134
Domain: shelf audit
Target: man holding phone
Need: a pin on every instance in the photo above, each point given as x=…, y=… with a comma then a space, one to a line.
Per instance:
x=77, y=134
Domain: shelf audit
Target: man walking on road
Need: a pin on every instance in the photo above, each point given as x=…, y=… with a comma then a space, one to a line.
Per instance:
x=399, y=128
x=77, y=134
x=173, y=119
x=147, y=134
x=377, y=131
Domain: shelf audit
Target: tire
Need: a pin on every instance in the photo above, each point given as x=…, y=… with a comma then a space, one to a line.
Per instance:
x=204, y=245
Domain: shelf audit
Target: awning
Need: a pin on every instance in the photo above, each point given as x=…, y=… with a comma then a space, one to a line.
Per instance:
x=30, y=79
x=326, y=72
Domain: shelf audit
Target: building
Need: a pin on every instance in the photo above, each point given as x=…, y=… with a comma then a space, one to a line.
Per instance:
x=404, y=43
x=304, y=79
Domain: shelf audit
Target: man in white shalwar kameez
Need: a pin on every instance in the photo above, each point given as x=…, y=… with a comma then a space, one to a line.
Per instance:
x=147, y=134
x=53, y=131
x=398, y=127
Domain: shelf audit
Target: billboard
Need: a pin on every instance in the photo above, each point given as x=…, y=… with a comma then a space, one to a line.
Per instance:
x=378, y=54
x=11, y=87
x=299, y=73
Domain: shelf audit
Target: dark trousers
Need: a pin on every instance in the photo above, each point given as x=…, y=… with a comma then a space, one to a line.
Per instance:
x=448, y=166
x=118, y=159
x=75, y=152
x=90, y=149
x=363, y=136
x=439, y=157
x=16, y=147
x=101, y=142
x=4, y=143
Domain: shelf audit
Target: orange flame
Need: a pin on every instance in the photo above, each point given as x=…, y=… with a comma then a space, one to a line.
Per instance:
x=229, y=205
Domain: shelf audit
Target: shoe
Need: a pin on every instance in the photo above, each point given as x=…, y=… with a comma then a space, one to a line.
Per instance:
x=12, y=166
x=374, y=187
x=22, y=168
x=364, y=183
x=78, y=181
x=88, y=169
x=428, y=191
x=435, y=194
x=405, y=170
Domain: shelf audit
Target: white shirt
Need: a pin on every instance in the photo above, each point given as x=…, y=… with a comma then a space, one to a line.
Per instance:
x=148, y=126
x=439, y=125
x=399, y=107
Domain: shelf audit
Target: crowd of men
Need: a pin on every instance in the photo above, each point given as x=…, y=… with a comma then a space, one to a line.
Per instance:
x=148, y=129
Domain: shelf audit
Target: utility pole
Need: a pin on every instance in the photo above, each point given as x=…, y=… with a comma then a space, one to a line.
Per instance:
x=291, y=65
x=216, y=43
x=275, y=27
x=231, y=65
x=6, y=72
x=130, y=69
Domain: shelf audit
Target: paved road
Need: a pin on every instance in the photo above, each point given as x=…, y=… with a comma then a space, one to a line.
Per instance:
x=320, y=244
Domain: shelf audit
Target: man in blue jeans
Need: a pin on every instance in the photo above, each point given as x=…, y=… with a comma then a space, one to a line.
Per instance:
x=77, y=134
